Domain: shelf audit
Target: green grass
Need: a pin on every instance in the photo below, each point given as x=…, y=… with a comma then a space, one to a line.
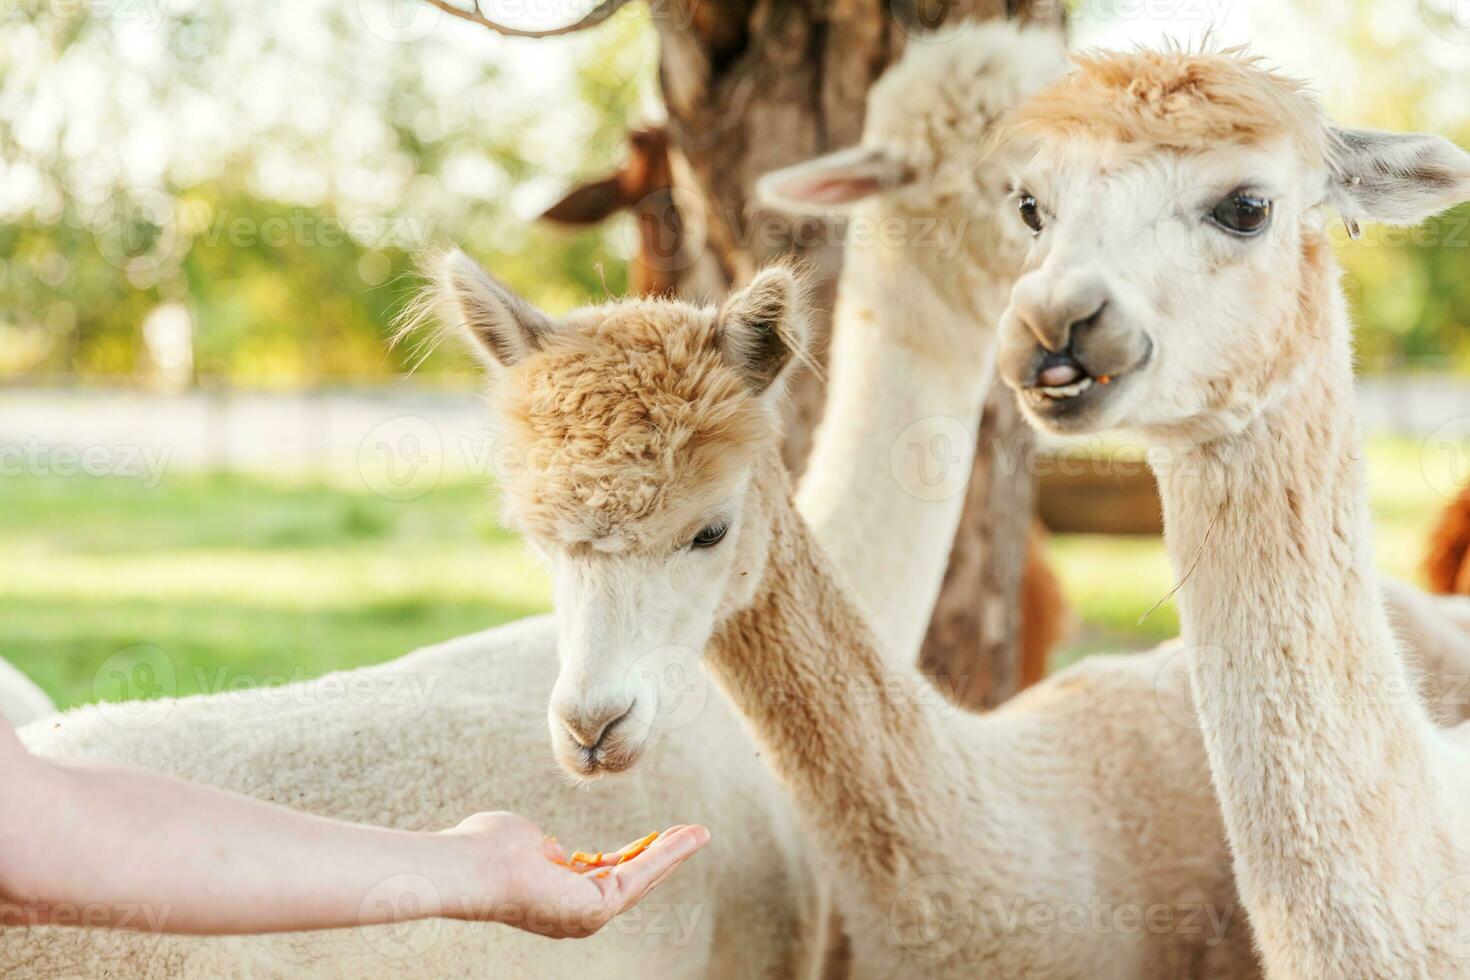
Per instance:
x=209, y=582
x=220, y=581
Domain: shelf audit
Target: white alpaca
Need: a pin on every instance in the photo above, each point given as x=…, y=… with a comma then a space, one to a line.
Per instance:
x=476, y=738
x=1180, y=203
x=21, y=701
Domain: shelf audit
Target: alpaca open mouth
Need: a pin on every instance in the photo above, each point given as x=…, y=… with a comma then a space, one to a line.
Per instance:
x=1065, y=393
x=1061, y=380
x=1058, y=392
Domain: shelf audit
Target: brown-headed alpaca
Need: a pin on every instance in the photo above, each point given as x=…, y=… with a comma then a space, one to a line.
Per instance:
x=1447, y=565
x=1182, y=288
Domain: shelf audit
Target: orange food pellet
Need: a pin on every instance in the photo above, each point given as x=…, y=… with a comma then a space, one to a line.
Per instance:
x=638, y=847
x=582, y=861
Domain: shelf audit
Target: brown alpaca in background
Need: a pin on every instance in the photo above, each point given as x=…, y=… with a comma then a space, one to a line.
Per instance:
x=1447, y=564
x=644, y=186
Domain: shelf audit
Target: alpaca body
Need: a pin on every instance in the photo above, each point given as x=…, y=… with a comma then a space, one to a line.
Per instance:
x=21, y=701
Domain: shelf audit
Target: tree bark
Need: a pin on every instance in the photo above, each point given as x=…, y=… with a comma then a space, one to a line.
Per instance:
x=973, y=648
x=753, y=85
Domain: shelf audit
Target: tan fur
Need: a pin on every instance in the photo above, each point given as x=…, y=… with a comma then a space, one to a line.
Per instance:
x=1154, y=99
x=1447, y=563
x=630, y=408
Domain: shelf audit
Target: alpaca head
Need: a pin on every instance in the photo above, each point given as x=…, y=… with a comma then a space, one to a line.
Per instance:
x=1177, y=204
x=636, y=429
x=926, y=146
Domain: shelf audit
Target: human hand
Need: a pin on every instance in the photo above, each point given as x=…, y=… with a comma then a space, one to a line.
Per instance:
x=532, y=887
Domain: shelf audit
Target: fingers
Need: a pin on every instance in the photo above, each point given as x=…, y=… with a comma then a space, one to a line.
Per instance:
x=628, y=882
x=553, y=850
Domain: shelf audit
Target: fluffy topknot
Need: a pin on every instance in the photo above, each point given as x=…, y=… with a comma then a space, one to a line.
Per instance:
x=629, y=416
x=938, y=106
x=1177, y=100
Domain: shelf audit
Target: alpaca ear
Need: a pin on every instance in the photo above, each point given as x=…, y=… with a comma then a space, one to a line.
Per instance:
x=832, y=182
x=503, y=327
x=589, y=203
x=763, y=327
x=1397, y=178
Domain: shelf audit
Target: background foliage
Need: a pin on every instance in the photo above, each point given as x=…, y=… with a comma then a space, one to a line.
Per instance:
x=274, y=169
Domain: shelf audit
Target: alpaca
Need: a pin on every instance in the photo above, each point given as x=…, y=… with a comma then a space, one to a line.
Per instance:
x=21, y=701
x=644, y=187
x=401, y=761
x=934, y=291
x=659, y=501
x=1182, y=288
x=1447, y=565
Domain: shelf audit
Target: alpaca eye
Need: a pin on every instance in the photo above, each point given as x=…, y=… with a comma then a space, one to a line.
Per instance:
x=1030, y=213
x=1242, y=214
x=710, y=536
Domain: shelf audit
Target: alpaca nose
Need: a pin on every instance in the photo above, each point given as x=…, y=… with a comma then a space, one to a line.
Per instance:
x=1057, y=317
x=589, y=727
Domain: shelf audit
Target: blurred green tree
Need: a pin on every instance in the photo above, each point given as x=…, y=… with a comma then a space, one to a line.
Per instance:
x=276, y=171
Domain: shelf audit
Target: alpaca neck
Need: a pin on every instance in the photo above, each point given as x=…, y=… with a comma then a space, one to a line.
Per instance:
x=912, y=336
x=858, y=742
x=1304, y=704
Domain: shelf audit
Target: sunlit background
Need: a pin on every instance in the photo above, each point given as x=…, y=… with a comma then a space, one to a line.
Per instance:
x=208, y=217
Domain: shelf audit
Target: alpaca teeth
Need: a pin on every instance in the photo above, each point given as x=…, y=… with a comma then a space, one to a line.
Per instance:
x=1068, y=391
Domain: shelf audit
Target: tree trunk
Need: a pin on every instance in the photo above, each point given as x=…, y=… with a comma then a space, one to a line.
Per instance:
x=975, y=636
x=753, y=85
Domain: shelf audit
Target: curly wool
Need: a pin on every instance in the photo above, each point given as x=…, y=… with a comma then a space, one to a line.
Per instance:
x=1172, y=100
x=628, y=408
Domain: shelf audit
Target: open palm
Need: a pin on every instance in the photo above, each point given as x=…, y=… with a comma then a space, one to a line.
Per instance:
x=541, y=894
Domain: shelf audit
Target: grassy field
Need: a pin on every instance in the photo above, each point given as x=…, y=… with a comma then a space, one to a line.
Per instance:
x=239, y=581
x=234, y=580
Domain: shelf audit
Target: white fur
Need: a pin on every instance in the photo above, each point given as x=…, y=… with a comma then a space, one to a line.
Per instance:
x=21, y=701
